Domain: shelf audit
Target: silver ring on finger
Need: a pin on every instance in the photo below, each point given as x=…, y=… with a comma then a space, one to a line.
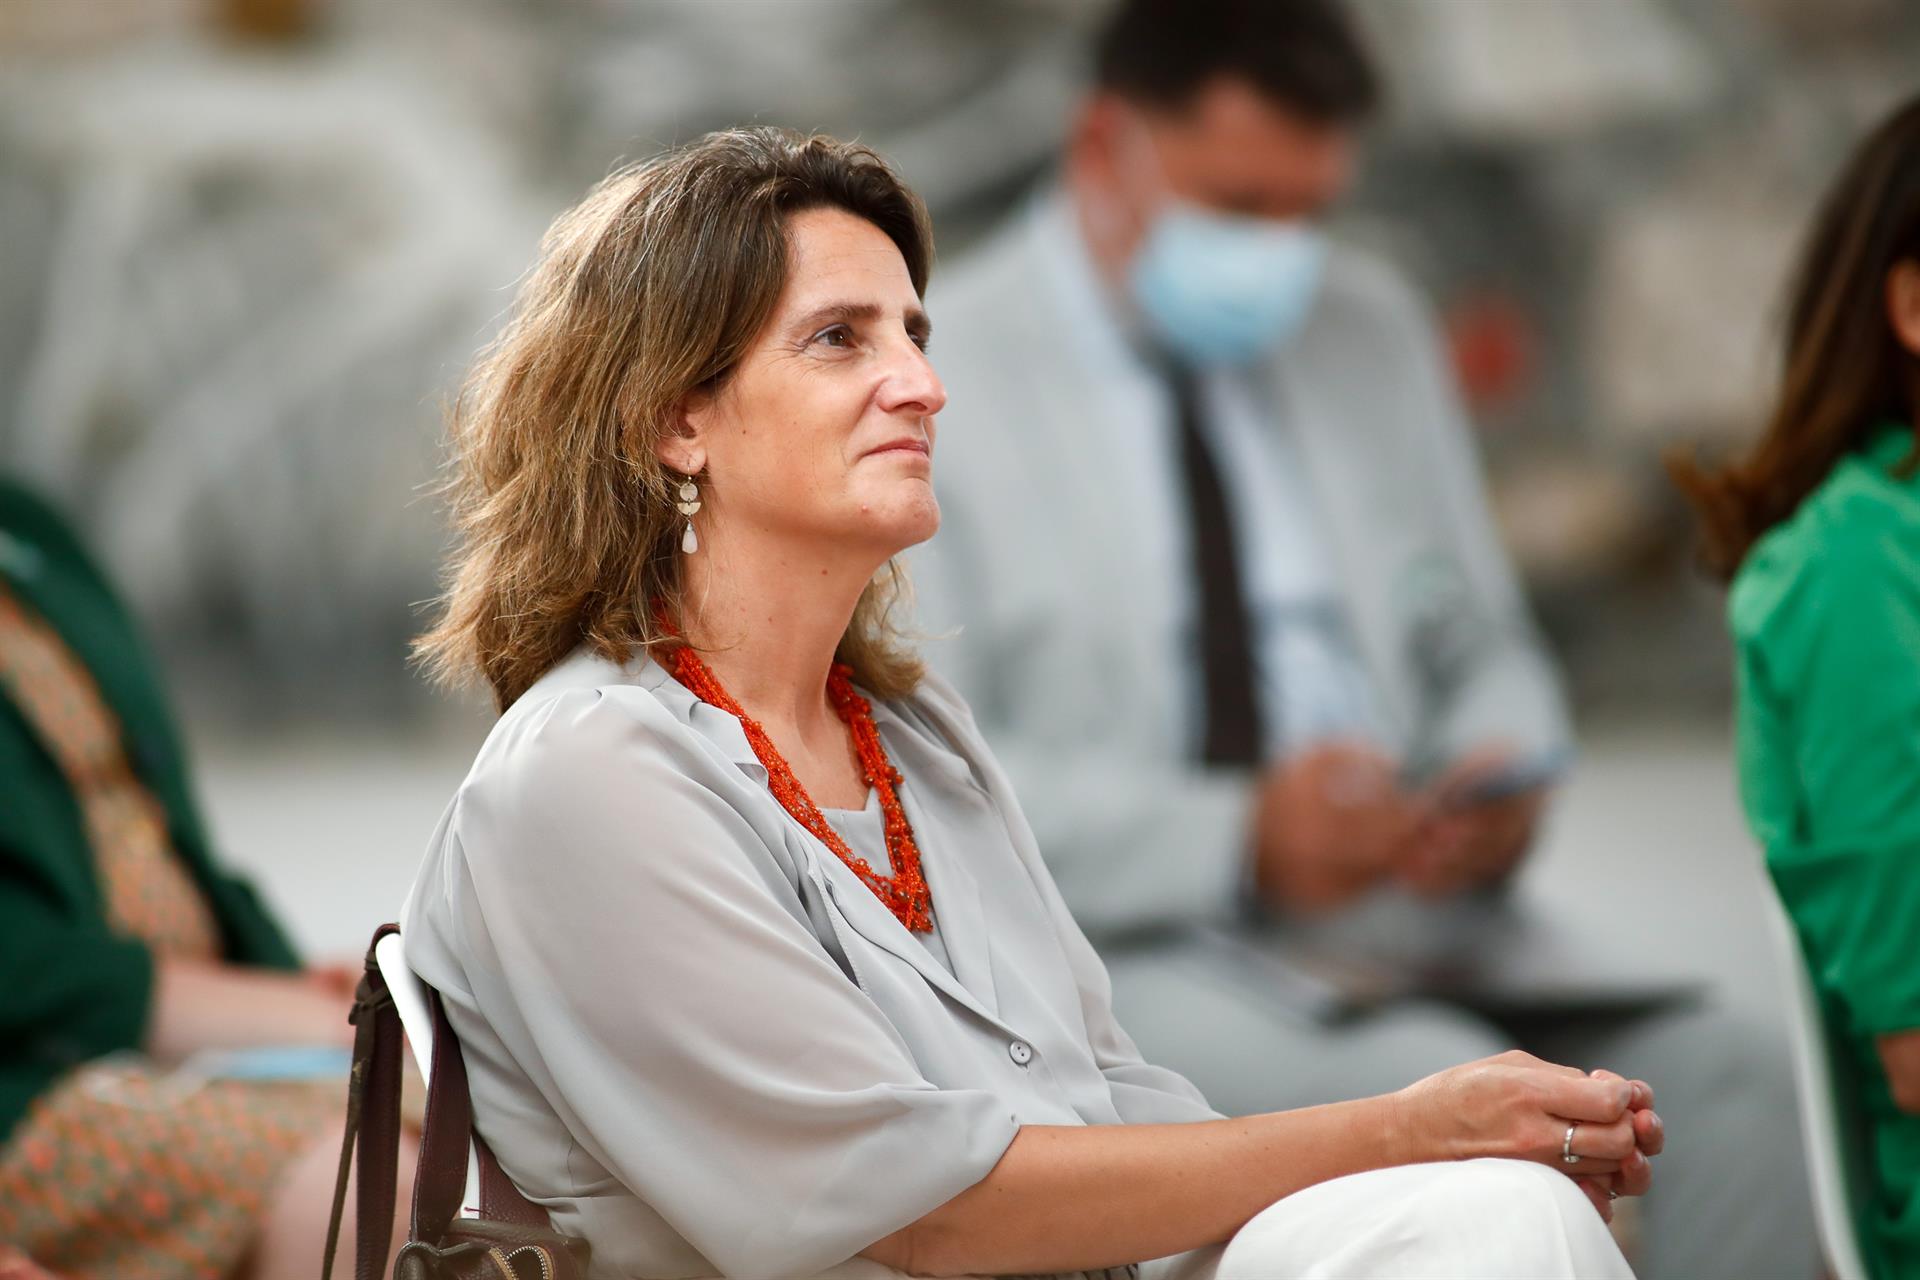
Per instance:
x=1566, y=1145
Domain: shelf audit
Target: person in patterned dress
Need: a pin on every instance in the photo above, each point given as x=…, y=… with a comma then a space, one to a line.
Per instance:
x=127, y=950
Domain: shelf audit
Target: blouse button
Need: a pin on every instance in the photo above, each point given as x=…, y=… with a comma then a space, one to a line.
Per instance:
x=1021, y=1052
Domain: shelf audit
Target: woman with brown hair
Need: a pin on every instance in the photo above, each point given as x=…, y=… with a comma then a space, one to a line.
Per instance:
x=756, y=966
x=1818, y=528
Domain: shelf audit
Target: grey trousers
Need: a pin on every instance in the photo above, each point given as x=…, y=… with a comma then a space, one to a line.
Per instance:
x=1730, y=1194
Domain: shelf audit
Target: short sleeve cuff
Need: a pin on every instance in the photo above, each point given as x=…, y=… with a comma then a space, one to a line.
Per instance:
x=888, y=1178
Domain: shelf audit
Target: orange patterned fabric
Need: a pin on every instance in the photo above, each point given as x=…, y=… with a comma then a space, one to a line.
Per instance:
x=148, y=893
x=123, y=1171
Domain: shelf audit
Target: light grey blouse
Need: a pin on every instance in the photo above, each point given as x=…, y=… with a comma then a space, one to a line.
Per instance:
x=865, y=831
x=696, y=1037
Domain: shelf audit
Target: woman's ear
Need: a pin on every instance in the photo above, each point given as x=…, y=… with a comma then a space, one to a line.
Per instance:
x=682, y=446
x=1903, y=303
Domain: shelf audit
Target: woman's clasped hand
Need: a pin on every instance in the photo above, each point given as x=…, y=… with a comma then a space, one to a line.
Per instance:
x=1517, y=1106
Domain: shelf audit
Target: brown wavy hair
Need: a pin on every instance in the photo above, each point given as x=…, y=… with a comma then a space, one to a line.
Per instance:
x=651, y=288
x=1845, y=372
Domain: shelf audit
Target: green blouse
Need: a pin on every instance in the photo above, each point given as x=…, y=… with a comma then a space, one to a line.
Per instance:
x=1825, y=614
x=73, y=988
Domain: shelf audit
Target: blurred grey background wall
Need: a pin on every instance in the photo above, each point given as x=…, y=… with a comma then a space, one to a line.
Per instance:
x=250, y=245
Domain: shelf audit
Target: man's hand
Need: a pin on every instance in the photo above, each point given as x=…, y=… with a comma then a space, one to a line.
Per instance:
x=1465, y=843
x=1330, y=824
x=1900, y=1055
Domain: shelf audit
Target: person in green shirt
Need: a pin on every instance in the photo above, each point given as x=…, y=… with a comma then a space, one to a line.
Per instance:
x=127, y=951
x=1818, y=529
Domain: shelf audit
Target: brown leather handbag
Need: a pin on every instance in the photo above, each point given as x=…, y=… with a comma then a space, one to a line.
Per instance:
x=512, y=1238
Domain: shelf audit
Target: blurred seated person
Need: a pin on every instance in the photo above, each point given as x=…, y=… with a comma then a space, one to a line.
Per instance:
x=1818, y=526
x=1219, y=578
x=756, y=965
x=127, y=951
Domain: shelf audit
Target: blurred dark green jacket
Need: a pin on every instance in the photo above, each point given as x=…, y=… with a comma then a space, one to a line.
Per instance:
x=1825, y=615
x=70, y=989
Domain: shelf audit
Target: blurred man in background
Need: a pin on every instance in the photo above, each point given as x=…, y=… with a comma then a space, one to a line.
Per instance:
x=1227, y=599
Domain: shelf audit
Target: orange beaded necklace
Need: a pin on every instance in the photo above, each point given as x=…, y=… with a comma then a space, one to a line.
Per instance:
x=905, y=892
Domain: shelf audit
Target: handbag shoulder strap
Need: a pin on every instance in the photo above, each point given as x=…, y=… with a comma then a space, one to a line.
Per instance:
x=373, y=1123
x=373, y=1132
x=441, y=1182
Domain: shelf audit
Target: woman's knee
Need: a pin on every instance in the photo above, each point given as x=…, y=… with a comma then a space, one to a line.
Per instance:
x=1490, y=1218
x=1515, y=1218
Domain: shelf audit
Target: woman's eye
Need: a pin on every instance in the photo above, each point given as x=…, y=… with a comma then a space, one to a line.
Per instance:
x=835, y=336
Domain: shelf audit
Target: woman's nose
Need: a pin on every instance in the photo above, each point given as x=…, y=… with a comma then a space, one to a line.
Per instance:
x=911, y=384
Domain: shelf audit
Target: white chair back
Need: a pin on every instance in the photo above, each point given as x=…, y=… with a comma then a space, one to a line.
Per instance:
x=410, y=996
x=1831, y=1121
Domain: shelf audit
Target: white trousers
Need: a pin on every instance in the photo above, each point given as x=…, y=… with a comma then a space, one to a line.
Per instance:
x=1473, y=1220
x=1729, y=1198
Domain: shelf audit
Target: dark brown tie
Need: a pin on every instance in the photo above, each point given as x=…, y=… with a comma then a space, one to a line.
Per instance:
x=1225, y=634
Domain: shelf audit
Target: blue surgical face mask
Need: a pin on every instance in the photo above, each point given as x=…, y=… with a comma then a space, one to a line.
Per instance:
x=1219, y=288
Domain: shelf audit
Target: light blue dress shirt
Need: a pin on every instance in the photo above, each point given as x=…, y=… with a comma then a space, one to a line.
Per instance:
x=1313, y=682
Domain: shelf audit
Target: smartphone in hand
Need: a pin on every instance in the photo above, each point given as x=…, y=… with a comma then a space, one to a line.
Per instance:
x=1515, y=777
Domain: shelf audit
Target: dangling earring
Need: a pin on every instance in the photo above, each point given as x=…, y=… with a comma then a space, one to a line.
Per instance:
x=689, y=504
